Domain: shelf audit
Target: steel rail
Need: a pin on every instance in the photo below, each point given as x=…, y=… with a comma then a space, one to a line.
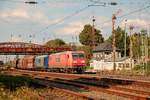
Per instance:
x=113, y=91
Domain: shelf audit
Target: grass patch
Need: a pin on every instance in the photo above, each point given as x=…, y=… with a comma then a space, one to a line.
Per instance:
x=20, y=88
x=13, y=82
x=88, y=67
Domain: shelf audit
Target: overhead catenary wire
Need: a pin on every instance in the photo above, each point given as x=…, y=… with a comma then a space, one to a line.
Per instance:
x=127, y=14
x=71, y=15
x=19, y=1
x=82, y=9
x=65, y=18
x=135, y=11
x=59, y=21
x=31, y=2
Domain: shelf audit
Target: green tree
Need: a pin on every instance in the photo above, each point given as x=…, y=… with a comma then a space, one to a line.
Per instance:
x=143, y=41
x=55, y=43
x=86, y=37
x=140, y=43
x=120, y=36
x=136, y=45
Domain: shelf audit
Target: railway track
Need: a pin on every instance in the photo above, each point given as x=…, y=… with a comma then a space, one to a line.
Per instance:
x=106, y=85
x=64, y=93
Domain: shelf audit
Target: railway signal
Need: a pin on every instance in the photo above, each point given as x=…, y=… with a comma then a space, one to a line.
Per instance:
x=114, y=38
x=93, y=32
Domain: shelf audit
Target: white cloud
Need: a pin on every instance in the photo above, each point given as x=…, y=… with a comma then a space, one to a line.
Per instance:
x=137, y=23
x=24, y=14
x=54, y=4
x=72, y=28
x=17, y=13
x=75, y=27
x=102, y=22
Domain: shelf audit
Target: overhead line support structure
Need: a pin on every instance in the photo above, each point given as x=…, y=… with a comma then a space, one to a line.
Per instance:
x=113, y=42
x=131, y=46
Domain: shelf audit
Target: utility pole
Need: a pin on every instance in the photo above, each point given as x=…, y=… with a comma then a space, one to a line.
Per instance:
x=125, y=40
x=113, y=41
x=20, y=37
x=131, y=46
x=93, y=32
x=11, y=37
x=143, y=51
x=125, y=43
x=30, y=36
x=146, y=51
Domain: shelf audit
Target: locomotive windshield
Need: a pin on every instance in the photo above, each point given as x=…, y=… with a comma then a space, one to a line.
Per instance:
x=78, y=55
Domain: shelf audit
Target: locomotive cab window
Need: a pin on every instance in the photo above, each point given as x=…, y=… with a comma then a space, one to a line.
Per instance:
x=78, y=55
x=81, y=55
x=75, y=55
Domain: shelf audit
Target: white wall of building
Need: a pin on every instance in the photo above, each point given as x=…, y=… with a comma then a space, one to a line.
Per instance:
x=108, y=65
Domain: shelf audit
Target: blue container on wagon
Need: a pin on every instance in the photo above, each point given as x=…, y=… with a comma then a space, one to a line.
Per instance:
x=46, y=62
x=41, y=61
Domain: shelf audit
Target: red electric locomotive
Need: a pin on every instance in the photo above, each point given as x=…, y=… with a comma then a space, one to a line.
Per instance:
x=69, y=61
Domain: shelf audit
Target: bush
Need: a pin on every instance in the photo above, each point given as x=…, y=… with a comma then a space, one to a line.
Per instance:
x=88, y=67
x=142, y=67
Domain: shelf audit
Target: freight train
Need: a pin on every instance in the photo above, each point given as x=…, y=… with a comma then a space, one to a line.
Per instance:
x=68, y=61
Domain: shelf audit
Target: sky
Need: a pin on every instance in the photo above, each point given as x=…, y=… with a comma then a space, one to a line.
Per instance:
x=65, y=19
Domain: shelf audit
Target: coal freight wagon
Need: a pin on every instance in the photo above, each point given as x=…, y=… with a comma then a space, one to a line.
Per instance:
x=26, y=62
x=1, y=63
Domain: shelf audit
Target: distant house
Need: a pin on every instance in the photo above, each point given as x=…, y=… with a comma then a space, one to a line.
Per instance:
x=103, y=58
x=104, y=51
x=121, y=63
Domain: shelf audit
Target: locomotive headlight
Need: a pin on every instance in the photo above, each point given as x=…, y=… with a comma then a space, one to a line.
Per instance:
x=82, y=61
x=74, y=61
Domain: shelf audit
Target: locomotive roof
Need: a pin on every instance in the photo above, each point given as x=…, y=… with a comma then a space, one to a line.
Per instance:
x=68, y=52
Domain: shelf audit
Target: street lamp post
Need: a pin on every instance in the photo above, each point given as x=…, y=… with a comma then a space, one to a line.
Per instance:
x=11, y=37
